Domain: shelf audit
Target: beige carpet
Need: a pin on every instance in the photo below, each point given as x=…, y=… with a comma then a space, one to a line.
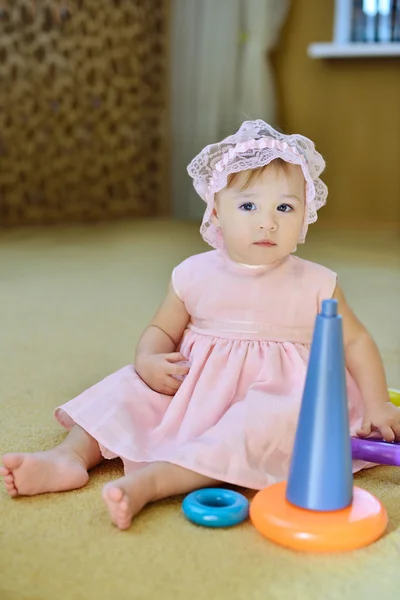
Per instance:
x=73, y=303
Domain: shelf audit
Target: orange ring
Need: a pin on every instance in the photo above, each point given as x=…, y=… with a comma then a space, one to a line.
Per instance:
x=356, y=526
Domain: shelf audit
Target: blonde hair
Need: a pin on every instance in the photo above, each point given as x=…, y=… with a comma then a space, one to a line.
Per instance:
x=253, y=174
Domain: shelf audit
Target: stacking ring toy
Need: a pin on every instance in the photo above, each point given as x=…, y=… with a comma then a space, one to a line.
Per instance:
x=215, y=507
x=376, y=451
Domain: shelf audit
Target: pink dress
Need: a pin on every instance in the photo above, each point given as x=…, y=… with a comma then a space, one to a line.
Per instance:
x=234, y=417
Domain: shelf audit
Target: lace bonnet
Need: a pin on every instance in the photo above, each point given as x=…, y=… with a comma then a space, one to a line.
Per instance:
x=255, y=145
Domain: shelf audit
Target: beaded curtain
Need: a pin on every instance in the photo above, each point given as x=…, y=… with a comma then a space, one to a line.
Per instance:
x=82, y=109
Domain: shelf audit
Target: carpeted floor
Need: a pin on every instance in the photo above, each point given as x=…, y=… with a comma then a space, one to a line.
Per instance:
x=73, y=303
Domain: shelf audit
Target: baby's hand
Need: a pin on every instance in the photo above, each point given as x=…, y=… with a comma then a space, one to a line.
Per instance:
x=162, y=372
x=385, y=419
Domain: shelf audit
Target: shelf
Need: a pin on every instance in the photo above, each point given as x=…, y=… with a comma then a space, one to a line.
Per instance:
x=353, y=50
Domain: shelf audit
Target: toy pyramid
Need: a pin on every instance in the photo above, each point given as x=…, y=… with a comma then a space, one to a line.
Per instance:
x=319, y=510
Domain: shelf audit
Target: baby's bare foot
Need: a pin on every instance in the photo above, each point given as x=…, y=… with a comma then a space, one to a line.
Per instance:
x=40, y=472
x=126, y=497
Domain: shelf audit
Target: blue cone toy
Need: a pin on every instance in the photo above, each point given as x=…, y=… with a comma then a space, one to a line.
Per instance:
x=320, y=476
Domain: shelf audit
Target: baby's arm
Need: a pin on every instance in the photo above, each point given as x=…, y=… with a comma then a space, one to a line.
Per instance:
x=156, y=356
x=365, y=365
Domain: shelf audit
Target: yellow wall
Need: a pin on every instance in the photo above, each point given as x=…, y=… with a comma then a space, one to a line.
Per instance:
x=351, y=109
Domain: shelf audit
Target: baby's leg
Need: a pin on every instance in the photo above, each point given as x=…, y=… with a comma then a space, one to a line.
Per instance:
x=65, y=467
x=126, y=497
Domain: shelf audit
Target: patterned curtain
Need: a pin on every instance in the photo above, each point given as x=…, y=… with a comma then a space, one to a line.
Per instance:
x=83, y=110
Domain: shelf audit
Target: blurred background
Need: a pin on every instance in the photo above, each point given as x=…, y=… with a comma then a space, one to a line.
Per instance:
x=103, y=104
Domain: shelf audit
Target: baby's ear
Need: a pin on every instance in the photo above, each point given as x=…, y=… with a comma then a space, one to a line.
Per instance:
x=214, y=217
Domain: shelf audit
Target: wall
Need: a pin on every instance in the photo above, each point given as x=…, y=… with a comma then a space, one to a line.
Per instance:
x=83, y=111
x=351, y=109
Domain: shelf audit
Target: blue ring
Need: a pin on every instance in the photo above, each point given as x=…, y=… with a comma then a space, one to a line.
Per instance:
x=215, y=507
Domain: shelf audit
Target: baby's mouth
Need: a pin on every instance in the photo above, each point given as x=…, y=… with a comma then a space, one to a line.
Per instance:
x=265, y=243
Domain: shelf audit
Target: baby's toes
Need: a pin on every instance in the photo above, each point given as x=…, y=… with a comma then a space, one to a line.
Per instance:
x=11, y=489
x=121, y=510
x=123, y=515
x=123, y=522
x=124, y=506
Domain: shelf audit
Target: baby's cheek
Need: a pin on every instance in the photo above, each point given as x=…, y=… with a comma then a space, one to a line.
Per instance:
x=233, y=230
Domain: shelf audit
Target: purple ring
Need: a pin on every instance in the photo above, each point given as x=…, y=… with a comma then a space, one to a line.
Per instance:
x=376, y=451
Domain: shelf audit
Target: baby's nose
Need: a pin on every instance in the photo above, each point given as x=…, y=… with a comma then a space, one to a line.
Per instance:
x=268, y=222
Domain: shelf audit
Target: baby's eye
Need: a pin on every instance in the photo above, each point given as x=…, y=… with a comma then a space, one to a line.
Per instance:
x=285, y=208
x=248, y=206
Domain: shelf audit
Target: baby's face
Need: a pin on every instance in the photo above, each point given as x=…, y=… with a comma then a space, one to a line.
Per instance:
x=262, y=223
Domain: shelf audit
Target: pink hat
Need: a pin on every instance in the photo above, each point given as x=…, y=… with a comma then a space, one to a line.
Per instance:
x=255, y=145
